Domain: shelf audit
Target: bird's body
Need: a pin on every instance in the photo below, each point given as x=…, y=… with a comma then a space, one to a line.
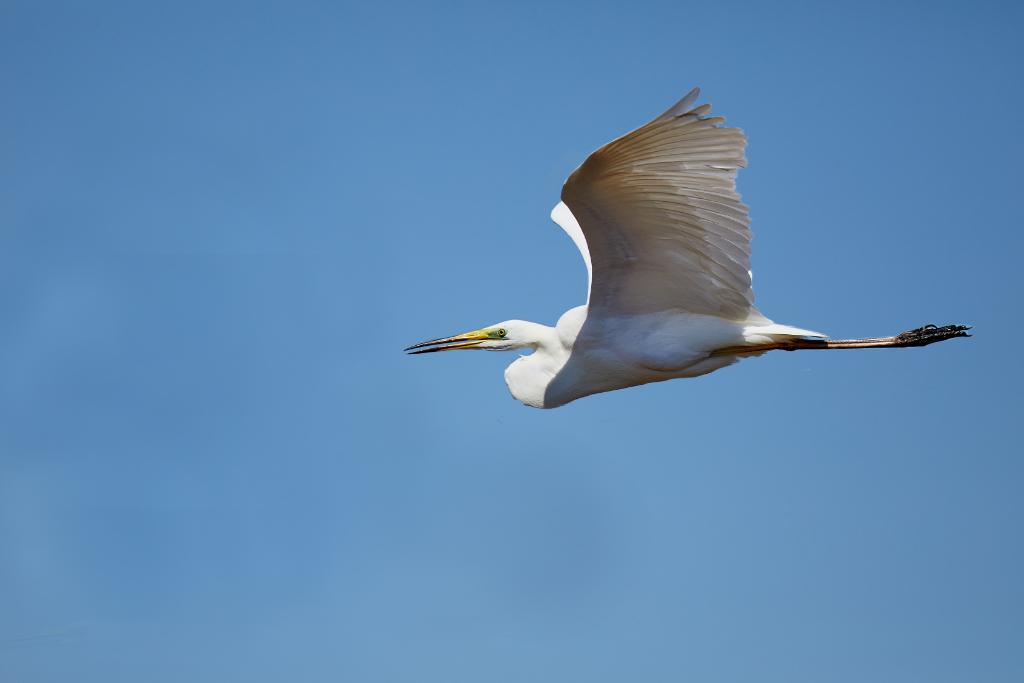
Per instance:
x=573, y=359
x=667, y=248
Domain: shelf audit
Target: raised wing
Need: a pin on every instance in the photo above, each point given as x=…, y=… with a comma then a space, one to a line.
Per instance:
x=662, y=224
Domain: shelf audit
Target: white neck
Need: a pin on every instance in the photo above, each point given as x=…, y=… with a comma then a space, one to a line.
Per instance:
x=529, y=376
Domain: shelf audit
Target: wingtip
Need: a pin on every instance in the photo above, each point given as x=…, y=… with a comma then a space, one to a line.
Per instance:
x=682, y=106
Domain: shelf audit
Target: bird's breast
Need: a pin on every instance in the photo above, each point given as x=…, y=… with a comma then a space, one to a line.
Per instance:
x=528, y=378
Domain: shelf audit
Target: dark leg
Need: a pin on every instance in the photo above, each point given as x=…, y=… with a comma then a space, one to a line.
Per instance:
x=929, y=334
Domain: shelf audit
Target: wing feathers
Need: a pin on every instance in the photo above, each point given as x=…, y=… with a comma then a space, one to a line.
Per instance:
x=664, y=226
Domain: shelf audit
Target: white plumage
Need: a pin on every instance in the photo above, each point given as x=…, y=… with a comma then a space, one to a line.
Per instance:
x=666, y=242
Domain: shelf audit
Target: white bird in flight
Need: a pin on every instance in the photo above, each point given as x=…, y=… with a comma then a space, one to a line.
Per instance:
x=667, y=247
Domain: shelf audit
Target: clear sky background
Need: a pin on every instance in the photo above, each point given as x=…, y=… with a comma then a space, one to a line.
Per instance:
x=221, y=223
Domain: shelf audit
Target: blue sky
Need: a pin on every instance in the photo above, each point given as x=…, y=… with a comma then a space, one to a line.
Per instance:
x=221, y=223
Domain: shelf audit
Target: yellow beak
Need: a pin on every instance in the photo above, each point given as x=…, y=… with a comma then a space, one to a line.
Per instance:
x=462, y=341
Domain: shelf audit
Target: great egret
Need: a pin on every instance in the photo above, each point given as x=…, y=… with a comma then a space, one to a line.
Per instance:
x=667, y=246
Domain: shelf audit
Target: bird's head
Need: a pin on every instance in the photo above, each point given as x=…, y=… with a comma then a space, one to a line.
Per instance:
x=507, y=336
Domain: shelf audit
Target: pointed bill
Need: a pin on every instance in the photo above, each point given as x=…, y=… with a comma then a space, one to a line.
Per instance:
x=462, y=341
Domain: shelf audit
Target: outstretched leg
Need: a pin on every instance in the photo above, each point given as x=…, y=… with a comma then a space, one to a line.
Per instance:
x=929, y=334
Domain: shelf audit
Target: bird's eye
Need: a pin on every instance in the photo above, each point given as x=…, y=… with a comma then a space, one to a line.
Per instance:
x=501, y=332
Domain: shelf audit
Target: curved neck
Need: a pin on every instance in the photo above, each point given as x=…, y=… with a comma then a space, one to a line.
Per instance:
x=542, y=338
x=529, y=376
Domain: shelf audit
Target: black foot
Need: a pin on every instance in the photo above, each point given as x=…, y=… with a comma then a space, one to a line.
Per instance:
x=929, y=334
